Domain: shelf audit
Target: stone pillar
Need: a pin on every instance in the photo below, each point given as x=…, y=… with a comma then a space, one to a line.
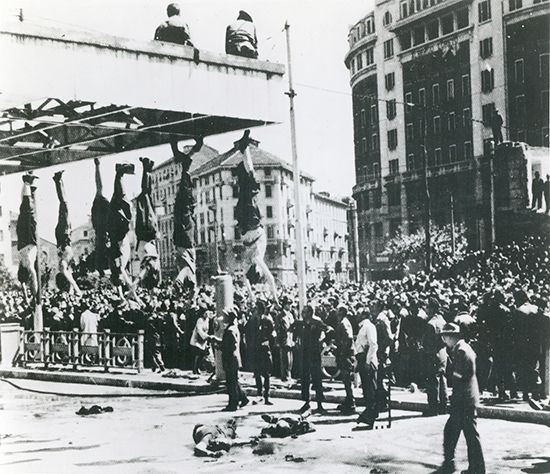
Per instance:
x=224, y=299
x=10, y=335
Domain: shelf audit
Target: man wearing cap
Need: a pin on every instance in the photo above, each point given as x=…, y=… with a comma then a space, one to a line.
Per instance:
x=240, y=37
x=345, y=357
x=464, y=402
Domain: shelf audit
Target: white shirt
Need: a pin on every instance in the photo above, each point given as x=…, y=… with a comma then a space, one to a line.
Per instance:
x=367, y=341
x=200, y=333
x=88, y=324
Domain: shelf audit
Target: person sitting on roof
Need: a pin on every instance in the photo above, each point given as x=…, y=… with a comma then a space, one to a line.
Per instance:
x=240, y=37
x=174, y=30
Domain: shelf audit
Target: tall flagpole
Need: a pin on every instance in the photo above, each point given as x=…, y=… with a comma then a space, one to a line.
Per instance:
x=301, y=273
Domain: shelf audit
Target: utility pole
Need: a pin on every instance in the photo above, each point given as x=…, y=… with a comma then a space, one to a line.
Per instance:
x=301, y=274
x=453, y=237
x=492, y=195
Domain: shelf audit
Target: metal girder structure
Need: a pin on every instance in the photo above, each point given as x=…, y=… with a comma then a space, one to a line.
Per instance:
x=55, y=132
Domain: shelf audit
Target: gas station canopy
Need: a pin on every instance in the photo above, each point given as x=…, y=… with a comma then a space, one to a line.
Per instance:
x=70, y=95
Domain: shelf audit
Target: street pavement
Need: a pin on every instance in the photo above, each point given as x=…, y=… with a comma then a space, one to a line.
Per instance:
x=152, y=434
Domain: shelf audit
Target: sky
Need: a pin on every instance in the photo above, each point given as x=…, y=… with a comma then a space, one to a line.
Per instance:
x=319, y=30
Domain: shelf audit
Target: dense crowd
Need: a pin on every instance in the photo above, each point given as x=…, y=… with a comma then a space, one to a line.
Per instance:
x=501, y=300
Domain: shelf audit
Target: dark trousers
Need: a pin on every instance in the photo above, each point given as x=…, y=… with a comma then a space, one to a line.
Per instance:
x=346, y=366
x=537, y=200
x=436, y=389
x=158, y=363
x=312, y=373
x=369, y=376
x=464, y=419
x=381, y=389
x=234, y=390
x=262, y=384
x=285, y=355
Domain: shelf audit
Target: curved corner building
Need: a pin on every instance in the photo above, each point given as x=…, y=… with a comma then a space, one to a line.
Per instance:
x=426, y=76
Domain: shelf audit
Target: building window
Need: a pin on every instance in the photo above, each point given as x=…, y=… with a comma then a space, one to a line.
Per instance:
x=363, y=145
x=373, y=114
x=435, y=94
x=391, y=109
x=394, y=194
x=84, y=233
x=369, y=26
x=374, y=142
x=450, y=89
x=392, y=139
x=422, y=127
x=418, y=35
x=363, y=119
x=468, y=155
x=267, y=172
x=437, y=157
x=422, y=97
x=515, y=4
x=388, y=49
x=451, y=122
x=466, y=117
x=370, y=56
x=410, y=162
x=437, y=125
x=465, y=85
x=376, y=169
x=269, y=211
x=447, y=24
x=410, y=132
x=487, y=80
x=268, y=190
x=270, y=232
x=452, y=153
x=353, y=66
x=390, y=81
x=518, y=71
x=486, y=48
x=520, y=106
x=544, y=65
x=433, y=30
x=359, y=61
x=462, y=18
x=408, y=101
x=487, y=113
x=404, y=9
x=394, y=167
x=405, y=40
x=387, y=19
x=484, y=10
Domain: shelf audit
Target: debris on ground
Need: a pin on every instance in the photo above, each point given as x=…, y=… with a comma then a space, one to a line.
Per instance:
x=264, y=448
x=292, y=458
x=286, y=425
x=94, y=410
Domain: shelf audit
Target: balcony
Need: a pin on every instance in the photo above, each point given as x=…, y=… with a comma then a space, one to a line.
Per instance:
x=426, y=12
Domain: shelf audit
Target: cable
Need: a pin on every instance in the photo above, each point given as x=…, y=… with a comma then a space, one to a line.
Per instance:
x=116, y=395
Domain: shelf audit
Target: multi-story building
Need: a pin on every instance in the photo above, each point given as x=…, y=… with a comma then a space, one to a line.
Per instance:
x=82, y=241
x=218, y=237
x=426, y=78
x=5, y=237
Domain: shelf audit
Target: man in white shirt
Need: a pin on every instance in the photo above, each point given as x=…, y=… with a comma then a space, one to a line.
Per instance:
x=366, y=347
x=88, y=326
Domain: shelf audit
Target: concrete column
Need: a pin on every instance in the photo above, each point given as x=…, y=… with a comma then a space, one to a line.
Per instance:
x=10, y=335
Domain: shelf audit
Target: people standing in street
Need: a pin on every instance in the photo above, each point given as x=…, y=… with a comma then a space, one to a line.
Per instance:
x=264, y=359
x=464, y=403
x=285, y=338
x=345, y=358
x=240, y=37
x=436, y=361
x=366, y=347
x=314, y=334
x=199, y=341
x=231, y=360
